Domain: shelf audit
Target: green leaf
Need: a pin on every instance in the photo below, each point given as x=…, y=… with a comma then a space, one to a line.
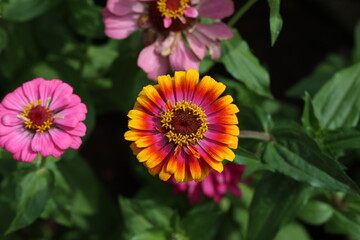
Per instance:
x=252, y=162
x=24, y=10
x=346, y=138
x=244, y=66
x=293, y=231
x=322, y=73
x=151, y=234
x=356, y=51
x=347, y=223
x=337, y=104
x=206, y=226
x=85, y=18
x=303, y=169
x=297, y=155
x=276, y=202
x=316, y=212
x=140, y=216
x=275, y=20
x=34, y=191
x=308, y=119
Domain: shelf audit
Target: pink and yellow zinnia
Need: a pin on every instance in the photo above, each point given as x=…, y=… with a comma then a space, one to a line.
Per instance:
x=41, y=116
x=175, y=36
x=180, y=127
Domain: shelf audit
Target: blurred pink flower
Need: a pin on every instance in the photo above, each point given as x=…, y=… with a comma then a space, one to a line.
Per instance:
x=175, y=38
x=215, y=184
x=43, y=117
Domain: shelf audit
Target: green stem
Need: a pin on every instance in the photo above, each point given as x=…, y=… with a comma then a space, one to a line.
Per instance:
x=241, y=12
x=42, y=161
x=256, y=135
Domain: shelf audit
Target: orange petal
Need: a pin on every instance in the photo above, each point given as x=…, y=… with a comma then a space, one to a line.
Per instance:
x=179, y=85
x=220, y=119
x=195, y=168
x=192, y=79
x=166, y=88
x=219, y=104
x=225, y=128
x=226, y=139
x=154, y=96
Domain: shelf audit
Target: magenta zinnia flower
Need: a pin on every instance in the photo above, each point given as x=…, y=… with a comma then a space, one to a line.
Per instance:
x=215, y=185
x=43, y=117
x=175, y=38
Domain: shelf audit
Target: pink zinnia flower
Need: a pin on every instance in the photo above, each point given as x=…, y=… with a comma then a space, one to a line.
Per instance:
x=175, y=38
x=41, y=117
x=215, y=184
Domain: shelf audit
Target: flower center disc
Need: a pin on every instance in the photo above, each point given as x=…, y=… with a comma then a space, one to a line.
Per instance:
x=169, y=8
x=185, y=123
x=38, y=118
x=172, y=8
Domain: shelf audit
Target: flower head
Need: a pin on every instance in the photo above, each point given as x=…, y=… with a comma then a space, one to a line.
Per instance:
x=181, y=127
x=175, y=37
x=215, y=185
x=43, y=117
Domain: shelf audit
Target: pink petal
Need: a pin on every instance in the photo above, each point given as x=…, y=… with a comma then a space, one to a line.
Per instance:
x=25, y=154
x=14, y=141
x=10, y=119
x=163, y=47
x=47, y=88
x=215, y=9
x=183, y=58
x=198, y=47
x=119, y=27
x=31, y=89
x=167, y=22
x=60, y=138
x=208, y=186
x=215, y=50
x=124, y=7
x=191, y=12
x=61, y=97
x=79, y=130
x=4, y=130
x=75, y=143
x=42, y=144
x=215, y=31
x=15, y=100
x=152, y=63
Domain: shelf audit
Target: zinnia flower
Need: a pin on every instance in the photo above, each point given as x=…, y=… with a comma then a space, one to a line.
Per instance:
x=215, y=185
x=176, y=38
x=41, y=117
x=180, y=127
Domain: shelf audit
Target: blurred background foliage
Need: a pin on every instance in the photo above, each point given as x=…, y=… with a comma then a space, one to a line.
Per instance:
x=293, y=69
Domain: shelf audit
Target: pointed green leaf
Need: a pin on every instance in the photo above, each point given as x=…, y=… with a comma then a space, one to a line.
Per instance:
x=276, y=202
x=348, y=138
x=337, y=104
x=275, y=20
x=244, y=66
x=34, y=191
x=297, y=155
x=308, y=119
x=301, y=169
